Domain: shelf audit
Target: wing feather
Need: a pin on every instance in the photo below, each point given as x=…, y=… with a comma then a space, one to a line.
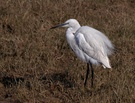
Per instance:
x=94, y=44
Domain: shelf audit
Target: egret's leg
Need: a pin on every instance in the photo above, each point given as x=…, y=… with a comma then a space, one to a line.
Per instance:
x=92, y=75
x=87, y=73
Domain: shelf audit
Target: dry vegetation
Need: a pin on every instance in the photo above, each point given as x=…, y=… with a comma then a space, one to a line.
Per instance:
x=37, y=65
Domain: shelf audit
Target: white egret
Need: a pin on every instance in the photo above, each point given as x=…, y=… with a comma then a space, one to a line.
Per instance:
x=89, y=44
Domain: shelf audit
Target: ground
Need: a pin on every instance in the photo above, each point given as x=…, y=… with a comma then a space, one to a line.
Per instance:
x=38, y=66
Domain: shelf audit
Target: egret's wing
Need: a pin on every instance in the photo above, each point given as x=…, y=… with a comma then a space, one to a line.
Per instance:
x=87, y=48
x=92, y=47
x=97, y=40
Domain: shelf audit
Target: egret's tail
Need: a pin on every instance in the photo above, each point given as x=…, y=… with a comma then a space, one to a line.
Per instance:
x=107, y=67
x=106, y=63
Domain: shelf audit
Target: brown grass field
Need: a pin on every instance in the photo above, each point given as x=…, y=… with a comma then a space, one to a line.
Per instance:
x=38, y=66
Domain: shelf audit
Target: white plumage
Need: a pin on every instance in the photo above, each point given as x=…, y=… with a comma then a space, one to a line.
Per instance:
x=89, y=44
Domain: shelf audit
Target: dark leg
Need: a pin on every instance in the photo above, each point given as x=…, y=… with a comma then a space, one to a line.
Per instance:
x=92, y=75
x=87, y=73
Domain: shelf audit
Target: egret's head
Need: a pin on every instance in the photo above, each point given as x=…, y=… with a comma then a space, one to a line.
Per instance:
x=72, y=23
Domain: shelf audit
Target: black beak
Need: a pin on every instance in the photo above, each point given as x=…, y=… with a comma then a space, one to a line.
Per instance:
x=60, y=25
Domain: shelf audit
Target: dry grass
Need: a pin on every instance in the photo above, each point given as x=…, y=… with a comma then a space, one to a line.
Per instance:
x=37, y=65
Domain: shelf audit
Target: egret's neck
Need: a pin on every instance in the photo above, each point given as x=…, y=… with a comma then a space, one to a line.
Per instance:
x=70, y=32
x=75, y=28
x=70, y=36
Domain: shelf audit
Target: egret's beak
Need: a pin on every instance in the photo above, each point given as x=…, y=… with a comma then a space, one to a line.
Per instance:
x=60, y=25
